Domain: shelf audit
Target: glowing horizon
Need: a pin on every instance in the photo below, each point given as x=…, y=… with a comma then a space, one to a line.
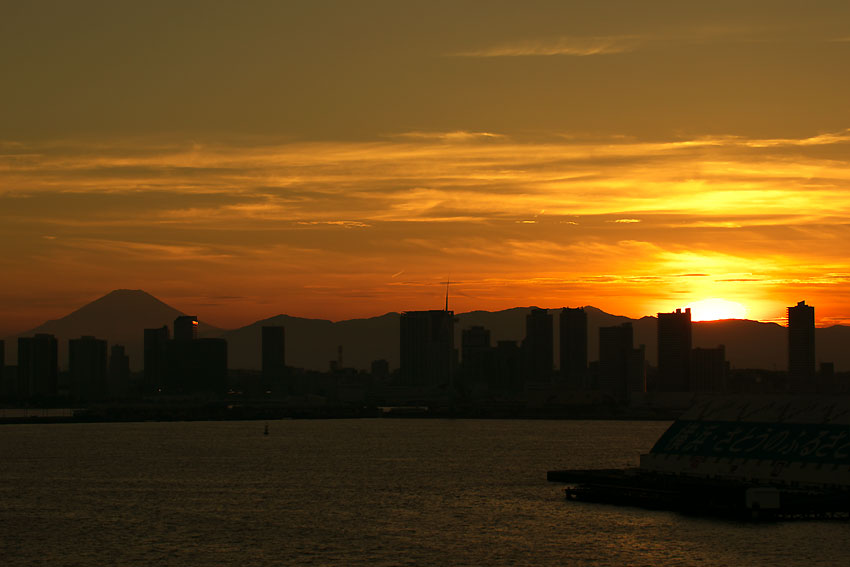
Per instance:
x=264, y=159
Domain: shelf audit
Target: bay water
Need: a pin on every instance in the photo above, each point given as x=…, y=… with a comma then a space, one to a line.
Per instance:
x=355, y=492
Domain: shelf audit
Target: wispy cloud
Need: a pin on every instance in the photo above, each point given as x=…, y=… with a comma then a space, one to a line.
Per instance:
x=456, y=136
x=585, y=46
x=755, y=215
x=573, y=46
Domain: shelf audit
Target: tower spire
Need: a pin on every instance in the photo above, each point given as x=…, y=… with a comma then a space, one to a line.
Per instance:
x=447, y=293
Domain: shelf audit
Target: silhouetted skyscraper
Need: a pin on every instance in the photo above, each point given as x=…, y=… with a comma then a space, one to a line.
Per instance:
x=196, y=366
x=274, y=355
x=119, y=372
x=156, y=343
x=709, y=369
x=674, y=351
x=3, y=385
x=38, y=366
x=380, y=369
x=538, y=346
x=508, y=374
x=615, y=358
x=573, y=339
x=427, y=348
x=87, y=367
x=186, y=328
x=477, y=360
x=801, y=346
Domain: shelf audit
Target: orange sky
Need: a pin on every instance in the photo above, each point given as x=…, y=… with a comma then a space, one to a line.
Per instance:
x=325, y=161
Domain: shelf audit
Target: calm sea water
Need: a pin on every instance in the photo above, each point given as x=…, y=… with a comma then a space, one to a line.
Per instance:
x=354, y=492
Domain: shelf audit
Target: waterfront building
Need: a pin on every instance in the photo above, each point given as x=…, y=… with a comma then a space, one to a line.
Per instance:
x=87, y=368
x=426, y=348
x=636, y=371
x=801, y=347
x=538, y=346
x=38, y=366
x=273, y=356
x=507, y=376
x=477, y=362
x=615, y=359
x=197, y=366
x=674, y=351
x=155, y=363
x=380, y=369
x=709, y=369
x=119, y=372
x=186, y=328
x=573, y=345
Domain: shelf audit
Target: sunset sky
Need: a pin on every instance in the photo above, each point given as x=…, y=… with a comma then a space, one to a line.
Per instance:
x=341, y=159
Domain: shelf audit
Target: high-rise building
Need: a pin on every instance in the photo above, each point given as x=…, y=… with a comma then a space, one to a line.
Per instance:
x=573, y=339
x=87, y=367
x=615, y=359
x=801, y=347
x=156, y=343
x=477, y=359
x=380, y=369
x=119, y=372
x=636, y=373
x=38, y=366
x=186, y=328
x=674, y=351
x=3, y=385
x=709, y=369
x=427, y=348
x=507, y=376
x=274, y=355
x=194, y=367
x=538, y=346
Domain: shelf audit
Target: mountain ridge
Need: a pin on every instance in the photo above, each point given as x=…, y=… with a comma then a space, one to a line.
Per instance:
x=121, y=315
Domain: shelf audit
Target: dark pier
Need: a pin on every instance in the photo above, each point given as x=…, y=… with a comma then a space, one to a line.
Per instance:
x=701, y=496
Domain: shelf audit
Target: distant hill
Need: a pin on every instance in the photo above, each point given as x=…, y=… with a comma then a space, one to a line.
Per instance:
x=121, y=316
x=313, y=343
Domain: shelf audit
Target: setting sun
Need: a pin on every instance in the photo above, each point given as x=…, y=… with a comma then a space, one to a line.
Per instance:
x=714, y=308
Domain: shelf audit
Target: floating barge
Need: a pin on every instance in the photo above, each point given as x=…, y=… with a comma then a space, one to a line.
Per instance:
x=763, y=458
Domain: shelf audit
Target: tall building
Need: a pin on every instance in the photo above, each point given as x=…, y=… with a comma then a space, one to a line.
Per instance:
x=801, y=346
x=674, y=351
x=274, y=355
x=427, y=348
x=87, y=367
x=38, y=366
x=508, y=363
x=194, y=367
x=709, y=369
x=573, y=339
x=186, y=328
x=615, y=359
x=477, y=357
x=3, y=386
x=380, y=369
x=538, y=346
x=156, y=343
x=119, y=372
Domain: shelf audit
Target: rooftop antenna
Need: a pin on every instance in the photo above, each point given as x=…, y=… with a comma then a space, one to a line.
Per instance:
x=447, y=293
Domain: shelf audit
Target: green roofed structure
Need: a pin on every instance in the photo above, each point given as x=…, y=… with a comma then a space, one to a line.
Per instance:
x=776, y=457
x=784, y=441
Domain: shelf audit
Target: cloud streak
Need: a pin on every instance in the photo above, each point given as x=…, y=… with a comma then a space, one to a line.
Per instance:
x=604, y=219
x=570, y=46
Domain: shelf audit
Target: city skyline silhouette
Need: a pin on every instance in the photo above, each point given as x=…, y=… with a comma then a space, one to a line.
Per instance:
x=383, y=269
x=581, y=355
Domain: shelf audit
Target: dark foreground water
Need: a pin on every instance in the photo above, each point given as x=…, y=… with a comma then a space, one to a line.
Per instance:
x=354, y=492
